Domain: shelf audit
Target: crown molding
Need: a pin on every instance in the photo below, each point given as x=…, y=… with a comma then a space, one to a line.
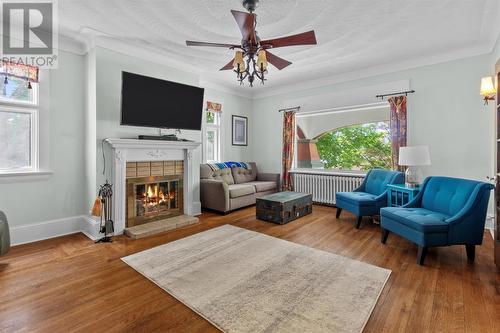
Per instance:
x=64, y=43
x=94, y=38
x=90, y=38
x=372, y=71
x=72, y=45
x=223, y=87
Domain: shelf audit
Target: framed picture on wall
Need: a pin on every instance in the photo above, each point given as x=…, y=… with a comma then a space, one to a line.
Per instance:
x=240, y=131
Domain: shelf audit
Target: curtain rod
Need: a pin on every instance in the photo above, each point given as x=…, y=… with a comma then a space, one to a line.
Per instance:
x=290, y=109
x=396, y=93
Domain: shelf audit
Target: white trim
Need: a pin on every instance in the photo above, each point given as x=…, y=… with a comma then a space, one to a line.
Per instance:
x=217, y=128
x=48, y=229
x=490, y=222
x=33, y=111
x=93, y=38
x=91, y=226
x=25, y=176
x=196, y=208
x=286, y=88
x=344, y=109
x=236, y=90
x=151, y=144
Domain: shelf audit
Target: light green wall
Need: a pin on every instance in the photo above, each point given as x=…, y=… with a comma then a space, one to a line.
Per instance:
x=109, y=66
x=63, y=193
x=446, y=113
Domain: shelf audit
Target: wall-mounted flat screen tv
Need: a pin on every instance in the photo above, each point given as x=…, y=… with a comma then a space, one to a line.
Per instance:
x=152, y=102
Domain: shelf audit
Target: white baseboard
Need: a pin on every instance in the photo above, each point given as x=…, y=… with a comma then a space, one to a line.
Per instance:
x=197, y=208
x=45, y=230
x=490, y=222
x=90, y=227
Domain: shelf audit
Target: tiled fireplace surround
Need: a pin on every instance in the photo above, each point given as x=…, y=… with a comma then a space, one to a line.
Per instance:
x=133, y=150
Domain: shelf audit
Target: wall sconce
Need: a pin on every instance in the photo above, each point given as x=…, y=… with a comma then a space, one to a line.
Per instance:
x=488, y=89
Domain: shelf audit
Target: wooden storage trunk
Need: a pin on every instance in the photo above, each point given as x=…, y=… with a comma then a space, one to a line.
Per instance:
x=283, y=207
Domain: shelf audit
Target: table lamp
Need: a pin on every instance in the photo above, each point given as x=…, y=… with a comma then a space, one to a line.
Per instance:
x=412, y=157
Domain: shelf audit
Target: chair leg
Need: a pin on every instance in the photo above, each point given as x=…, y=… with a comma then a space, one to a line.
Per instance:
x=422, y=252
x=358, y=222
x=339, y=210
x=385, y=234
x=471, y=252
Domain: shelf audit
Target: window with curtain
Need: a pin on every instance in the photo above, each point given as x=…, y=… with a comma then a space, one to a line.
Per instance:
x=212, y=144
x=18, y=118
x=350, y=140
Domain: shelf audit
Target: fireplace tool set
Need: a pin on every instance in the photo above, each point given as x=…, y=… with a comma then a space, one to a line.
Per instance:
x=103, y=208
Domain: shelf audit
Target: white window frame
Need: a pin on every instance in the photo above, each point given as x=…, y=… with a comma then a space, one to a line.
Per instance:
x=216, y=127
x=32, y=108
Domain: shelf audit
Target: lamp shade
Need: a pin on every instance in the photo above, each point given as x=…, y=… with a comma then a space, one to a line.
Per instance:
x=262, y=60
x=238, y=60
x=414, y=156
x=487, y=86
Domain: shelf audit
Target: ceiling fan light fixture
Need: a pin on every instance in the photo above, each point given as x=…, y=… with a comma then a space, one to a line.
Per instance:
x=262, y=61
x=238, y=60
x=251, y=61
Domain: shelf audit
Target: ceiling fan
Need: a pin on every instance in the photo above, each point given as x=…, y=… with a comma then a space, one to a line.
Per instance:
x=244, y=63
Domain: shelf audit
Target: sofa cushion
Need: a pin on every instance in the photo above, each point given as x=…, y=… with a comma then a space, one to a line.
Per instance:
x=263, y=186
x=239, y=190
x=222, y=174
x=377, y=180
x=420, y=219
x=447, y=195
x=357, y=198
x=242, y=175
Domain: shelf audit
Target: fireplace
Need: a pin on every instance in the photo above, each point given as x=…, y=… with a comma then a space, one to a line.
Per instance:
x=154, y=191
x=130, y=158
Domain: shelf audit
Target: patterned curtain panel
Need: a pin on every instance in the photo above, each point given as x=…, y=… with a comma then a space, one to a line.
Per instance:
x=214, y=107
x=398, y=128
x=29, y=73
x=288, y=148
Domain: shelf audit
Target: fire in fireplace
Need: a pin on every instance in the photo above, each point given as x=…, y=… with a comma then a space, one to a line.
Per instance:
x=154, y=197
x=157, y=197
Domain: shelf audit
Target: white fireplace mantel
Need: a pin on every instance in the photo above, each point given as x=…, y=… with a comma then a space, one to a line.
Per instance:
x=134, y=150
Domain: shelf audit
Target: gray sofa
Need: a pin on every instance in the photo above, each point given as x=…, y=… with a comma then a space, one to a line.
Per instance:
x=227, y=189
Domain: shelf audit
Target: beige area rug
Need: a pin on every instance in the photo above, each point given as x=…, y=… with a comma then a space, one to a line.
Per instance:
x=244, y=281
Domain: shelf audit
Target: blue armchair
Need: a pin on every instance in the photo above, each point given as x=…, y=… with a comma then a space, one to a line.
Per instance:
x=367, y=199
x=447, y=211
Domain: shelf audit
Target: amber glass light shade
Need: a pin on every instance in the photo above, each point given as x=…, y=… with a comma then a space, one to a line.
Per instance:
x=262, y=60
x=238, y=59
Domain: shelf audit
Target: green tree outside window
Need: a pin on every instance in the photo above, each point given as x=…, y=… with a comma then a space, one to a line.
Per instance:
x=356, y=147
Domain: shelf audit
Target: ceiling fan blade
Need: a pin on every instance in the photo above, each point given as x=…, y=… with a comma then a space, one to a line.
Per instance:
x=228, y=66
x=195, y=43
x=276, y=61
x=246, y=23
x=305, y=38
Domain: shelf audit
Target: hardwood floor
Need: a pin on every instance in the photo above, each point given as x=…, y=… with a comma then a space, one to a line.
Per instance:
x=71, y=284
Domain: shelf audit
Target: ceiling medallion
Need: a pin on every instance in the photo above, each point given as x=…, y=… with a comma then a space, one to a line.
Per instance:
x=252, y=55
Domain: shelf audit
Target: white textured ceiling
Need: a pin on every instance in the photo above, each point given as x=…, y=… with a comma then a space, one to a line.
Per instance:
x=352, y=35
